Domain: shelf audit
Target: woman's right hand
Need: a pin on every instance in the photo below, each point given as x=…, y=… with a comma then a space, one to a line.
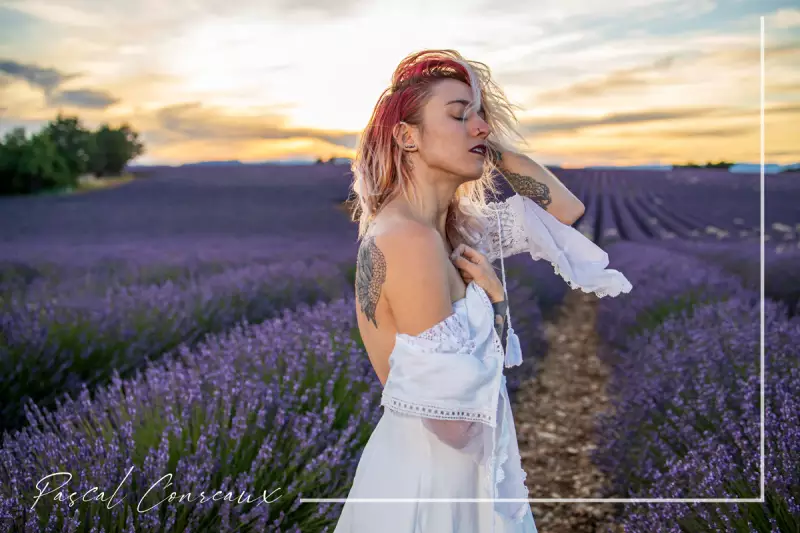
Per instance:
x=474, y=266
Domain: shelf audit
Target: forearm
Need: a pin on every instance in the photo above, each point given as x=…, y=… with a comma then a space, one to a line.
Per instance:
x=500, y=316
x=528, y=178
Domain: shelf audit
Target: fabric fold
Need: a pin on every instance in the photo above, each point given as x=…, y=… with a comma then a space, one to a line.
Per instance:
x=578, y=260
x=451, y=376
x=450, y=371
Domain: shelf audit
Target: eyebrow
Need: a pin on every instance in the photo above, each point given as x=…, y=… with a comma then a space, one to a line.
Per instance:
x=465, y=102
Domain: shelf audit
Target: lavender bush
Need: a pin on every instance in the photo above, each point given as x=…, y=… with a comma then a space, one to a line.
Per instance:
x=666, y=282
x=51, y=347
x=287, y=404
x=781, y=267
x=685, y=389
x=686, y=421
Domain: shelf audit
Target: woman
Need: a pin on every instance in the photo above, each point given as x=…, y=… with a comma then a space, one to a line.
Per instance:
x=422, y=172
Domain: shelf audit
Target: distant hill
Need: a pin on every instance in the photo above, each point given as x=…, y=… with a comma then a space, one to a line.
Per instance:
x=213, y=163
x=632, y=167
x=749, y=168
x=755, y=168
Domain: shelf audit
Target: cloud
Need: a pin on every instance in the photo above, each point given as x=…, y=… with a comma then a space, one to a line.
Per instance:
x=782, y=109
x=193, y=121
x=783, y=18
x=730, y=131
x=161, y=17
x=49, y=80
x=614, y=81
x=39, y=77
x=573, y=124
x=84, y=98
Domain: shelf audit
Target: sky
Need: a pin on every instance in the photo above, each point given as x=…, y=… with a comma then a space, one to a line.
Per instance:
x=635, y=82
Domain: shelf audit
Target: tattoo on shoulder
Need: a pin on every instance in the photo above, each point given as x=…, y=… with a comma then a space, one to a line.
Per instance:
x=527, y=186
x=370, y=275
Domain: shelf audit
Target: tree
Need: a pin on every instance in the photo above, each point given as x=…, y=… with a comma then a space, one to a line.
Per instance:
x=111, y=149
x=56, y=156
x=31, y=165
x=72, y=142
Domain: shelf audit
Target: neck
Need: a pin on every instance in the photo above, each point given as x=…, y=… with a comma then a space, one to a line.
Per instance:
x=433, y=200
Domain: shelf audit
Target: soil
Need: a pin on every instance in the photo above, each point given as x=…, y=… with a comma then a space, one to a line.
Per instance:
x=554, y=416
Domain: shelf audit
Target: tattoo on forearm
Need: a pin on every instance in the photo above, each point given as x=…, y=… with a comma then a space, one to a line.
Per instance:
x=527, y=186
x=500, y=316
x=370, y=275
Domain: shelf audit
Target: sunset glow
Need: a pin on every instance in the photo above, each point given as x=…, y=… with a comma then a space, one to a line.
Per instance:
x=650, y=82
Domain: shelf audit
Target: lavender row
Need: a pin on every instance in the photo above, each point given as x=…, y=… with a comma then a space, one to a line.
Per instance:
x=702, y=205
x=781, y=267
x=685, y=421
x=665, y=282
x=698, y=433
x=52, y=347
x=43, y=269
x=274, y=412
x=288, y=403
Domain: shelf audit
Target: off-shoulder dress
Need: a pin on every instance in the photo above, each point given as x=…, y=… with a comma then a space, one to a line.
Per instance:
x=443, y=457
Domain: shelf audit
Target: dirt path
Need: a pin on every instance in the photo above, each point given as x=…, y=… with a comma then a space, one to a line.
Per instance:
x=554, y=414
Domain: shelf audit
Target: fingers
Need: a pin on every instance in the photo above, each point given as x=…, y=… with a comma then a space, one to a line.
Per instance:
x=463, y=264
x=457, y=251
x=470, y=254
x=462, y=250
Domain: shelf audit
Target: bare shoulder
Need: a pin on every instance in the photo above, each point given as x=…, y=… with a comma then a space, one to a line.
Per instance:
x=404, y=262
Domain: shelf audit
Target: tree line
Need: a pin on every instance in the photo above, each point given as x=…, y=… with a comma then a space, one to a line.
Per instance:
x=61, y=152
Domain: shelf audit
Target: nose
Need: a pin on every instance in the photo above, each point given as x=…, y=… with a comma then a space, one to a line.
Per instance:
x=481, y=127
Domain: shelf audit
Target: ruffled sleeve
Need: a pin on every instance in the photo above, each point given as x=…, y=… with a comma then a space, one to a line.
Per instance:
x=526, y=227
x=449, y=375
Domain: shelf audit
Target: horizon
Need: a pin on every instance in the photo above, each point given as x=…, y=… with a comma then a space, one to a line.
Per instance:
x=652, y=84
x=736, y=168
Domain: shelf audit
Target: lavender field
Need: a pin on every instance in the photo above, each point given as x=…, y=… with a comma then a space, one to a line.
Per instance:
x=200, y=321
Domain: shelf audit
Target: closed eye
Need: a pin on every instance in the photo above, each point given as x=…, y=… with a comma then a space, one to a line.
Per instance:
x=481, y=113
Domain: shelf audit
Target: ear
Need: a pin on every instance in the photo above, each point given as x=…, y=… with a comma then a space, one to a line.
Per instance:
x=405, y=137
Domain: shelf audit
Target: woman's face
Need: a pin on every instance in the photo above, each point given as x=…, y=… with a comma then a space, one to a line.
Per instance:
x=449, y=133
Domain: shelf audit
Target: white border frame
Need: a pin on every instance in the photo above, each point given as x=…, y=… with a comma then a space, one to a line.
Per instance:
x=633, y=500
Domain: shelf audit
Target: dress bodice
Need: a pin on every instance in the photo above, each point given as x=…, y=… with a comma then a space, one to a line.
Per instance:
x=453, y=371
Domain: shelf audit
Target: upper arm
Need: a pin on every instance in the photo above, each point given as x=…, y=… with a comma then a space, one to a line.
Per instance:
x=416, y=287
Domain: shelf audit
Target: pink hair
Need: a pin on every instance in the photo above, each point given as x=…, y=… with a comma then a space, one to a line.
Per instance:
x=380, y=168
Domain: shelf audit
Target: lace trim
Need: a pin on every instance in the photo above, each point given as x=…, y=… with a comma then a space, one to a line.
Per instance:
x=600, y=292
x=613, y=286
x=450, y=334
x=502, y=456
x=448, y=328
x=420, y=409
x=515, y=241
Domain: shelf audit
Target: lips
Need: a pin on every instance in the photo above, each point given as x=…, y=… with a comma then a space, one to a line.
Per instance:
x=479, y=149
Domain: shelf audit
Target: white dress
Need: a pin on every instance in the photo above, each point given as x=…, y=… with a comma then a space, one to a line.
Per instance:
x=447, y=430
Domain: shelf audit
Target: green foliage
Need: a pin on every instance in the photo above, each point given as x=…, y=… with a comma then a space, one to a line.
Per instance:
x=55, y=157
x=72, y=142
x=29, y=165
x=111, y=149
x=709, y=164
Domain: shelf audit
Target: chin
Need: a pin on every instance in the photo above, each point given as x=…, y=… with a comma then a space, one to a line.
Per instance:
x=476, y=174
x=469, y=173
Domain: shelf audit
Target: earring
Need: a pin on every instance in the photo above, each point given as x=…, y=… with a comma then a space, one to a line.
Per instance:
x=409, y=146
